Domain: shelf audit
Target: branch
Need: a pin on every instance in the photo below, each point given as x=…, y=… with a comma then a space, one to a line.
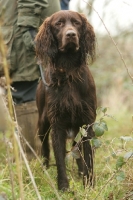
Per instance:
x=121, y=56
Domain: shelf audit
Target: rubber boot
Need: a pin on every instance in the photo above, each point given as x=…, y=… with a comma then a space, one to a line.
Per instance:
x=27, y=116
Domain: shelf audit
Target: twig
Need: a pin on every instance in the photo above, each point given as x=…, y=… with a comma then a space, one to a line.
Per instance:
x=10, y=167
x=116, y=46
x=27, y=143
x=105, y=185
x=111, y=178
x=6, y=73
x=128, y=196
x=45, y=171
x=27, y=166
x=30, y=173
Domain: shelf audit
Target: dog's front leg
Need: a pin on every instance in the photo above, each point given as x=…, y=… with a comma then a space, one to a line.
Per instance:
x=59, y=146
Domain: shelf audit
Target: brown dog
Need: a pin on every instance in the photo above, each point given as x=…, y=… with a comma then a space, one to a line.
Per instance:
x=66, y=100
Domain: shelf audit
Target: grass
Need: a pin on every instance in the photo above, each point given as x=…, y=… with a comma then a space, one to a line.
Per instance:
x=110, y=184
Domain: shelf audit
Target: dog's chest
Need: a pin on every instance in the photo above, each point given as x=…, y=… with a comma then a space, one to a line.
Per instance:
x=67, y=98
x=66, y=103
x=60, y=78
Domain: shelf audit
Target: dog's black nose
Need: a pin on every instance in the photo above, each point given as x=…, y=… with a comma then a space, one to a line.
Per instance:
x=70, y=33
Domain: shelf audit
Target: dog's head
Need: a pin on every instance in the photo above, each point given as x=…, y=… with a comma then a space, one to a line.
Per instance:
x=65, y=31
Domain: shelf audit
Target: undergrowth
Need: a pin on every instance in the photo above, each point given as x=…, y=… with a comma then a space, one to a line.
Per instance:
x=113, y=168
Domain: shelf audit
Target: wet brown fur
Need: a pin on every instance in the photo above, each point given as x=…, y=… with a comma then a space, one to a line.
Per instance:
x=64, y=44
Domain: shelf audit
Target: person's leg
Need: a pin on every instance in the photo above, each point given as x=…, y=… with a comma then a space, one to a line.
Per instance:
x=27, y=114
x=24, y=91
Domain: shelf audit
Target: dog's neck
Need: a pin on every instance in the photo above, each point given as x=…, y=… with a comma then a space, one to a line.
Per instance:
x=67, y=60
x=65, y=67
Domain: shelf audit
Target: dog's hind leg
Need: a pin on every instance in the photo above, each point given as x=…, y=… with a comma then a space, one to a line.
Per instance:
x=88, y=162
x=43, y=132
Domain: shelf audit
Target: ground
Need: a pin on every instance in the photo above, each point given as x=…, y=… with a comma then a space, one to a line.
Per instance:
x=113, y=170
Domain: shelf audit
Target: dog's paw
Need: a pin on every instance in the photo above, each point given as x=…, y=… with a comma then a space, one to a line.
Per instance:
x=63, y=185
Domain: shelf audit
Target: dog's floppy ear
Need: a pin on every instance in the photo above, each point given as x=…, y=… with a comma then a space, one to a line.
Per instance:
x=45, y=42
x=88, y=40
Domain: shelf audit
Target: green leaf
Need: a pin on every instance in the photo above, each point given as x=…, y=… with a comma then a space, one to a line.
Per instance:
x=101, y=109
x=126, y=138
x=107, y=142
x=78, y=137
x=83, y=132
x=104, y=125
x=99, y=131
x=96, y=142
x=121, y=176
x=120, y=162
x=84, y=126
x=104, y=110
x=100, y=128
x=128, y=155
x=75, y=152
x=114, y=155
x=107, y=159
x=67, y=158
x=98, y=109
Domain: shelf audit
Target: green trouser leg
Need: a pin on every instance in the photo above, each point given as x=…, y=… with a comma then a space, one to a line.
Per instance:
x=27, y=116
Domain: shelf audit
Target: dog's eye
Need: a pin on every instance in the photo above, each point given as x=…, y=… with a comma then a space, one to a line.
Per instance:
x=59, y=23
x=76, y=22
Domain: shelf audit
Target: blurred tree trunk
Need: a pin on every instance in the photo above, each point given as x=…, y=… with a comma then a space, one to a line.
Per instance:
x=86, y=10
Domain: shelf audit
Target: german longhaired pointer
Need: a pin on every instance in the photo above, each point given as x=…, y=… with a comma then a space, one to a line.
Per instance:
x=66, y=99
